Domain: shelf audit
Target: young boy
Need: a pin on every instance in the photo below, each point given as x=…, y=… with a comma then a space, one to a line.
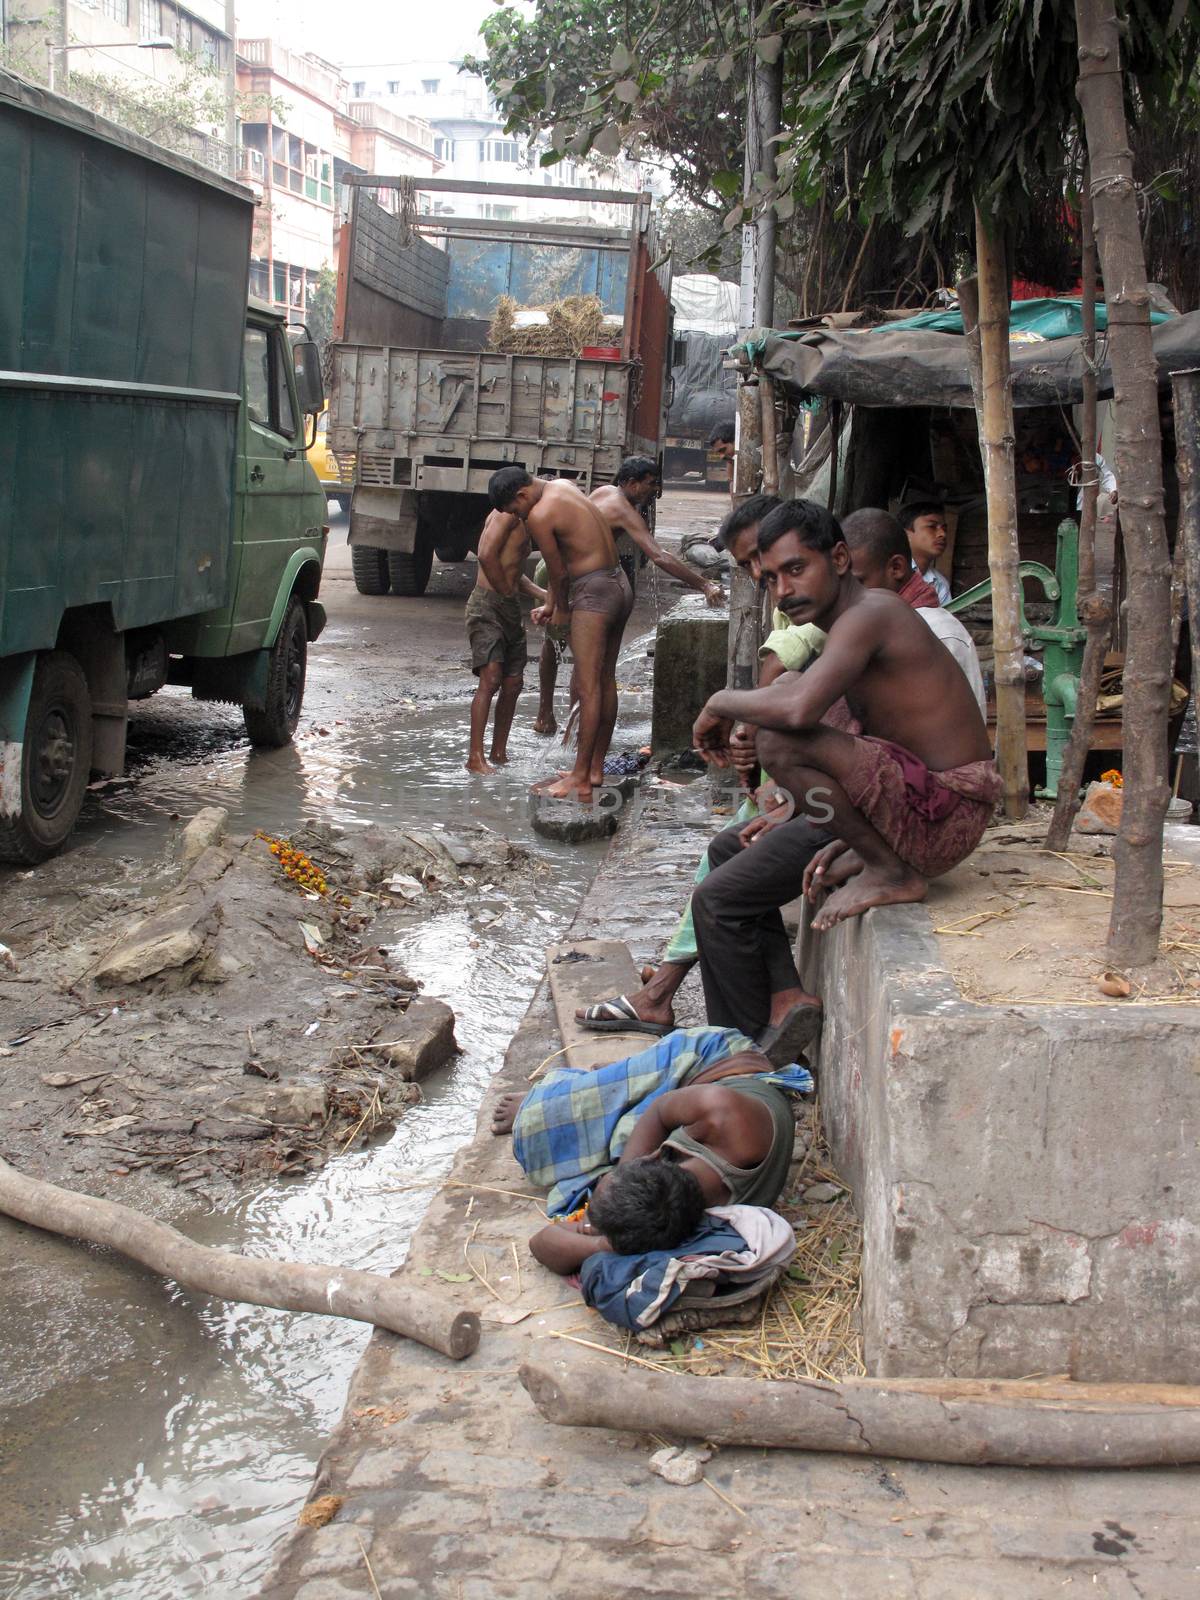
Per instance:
x=496, y=632
x=925, y=524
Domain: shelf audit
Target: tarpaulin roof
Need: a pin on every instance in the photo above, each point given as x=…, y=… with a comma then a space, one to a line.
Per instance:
x=1051, y=318
x=912, y=367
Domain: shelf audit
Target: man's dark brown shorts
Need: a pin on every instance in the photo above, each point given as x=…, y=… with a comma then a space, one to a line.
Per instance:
x=496, y=632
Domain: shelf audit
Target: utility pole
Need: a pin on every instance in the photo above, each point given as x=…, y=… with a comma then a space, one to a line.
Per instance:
x=754, y=462
x=231, y=87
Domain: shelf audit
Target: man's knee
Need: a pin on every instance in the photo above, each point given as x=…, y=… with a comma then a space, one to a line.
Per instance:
x=776, y=750
x=490, y=675
x=514, y=683
x=725, y=846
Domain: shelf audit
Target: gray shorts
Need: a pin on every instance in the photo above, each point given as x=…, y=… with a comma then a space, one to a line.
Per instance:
x=606, y=592
x=496, y=632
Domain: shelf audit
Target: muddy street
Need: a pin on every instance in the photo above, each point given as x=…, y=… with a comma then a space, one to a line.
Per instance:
x=157, y=1442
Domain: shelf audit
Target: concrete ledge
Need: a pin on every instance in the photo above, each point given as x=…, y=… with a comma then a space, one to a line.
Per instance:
x=1028, y=1176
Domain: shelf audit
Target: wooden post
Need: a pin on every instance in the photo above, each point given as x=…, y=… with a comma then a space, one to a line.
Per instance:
x=1186, y=387
x=745, y=613
x=975, y=1422
x=331, y=1291
x=999, y=470
x=1093, y=608
x=1138, y=888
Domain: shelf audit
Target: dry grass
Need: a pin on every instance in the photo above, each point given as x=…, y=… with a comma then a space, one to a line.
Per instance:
x=574, y=322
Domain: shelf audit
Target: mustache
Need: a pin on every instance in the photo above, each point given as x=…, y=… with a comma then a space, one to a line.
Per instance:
x=793, y=604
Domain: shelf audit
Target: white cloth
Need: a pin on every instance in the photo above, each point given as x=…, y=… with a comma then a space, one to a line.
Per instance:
x=1107, y=477
x=770, y=1241
x=960, y=645
x=938, y=582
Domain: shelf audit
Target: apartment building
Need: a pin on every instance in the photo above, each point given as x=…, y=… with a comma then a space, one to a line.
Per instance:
x=114, y=55
x=470, y=141
x=302, y=133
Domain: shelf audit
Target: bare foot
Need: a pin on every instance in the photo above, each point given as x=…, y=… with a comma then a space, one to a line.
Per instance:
x=478, y=764
x=570, y=788
x=843, y=869
x=546, y=726
x=868, y=888
x=543, y=784
x=505, y=1113
x=498, y=758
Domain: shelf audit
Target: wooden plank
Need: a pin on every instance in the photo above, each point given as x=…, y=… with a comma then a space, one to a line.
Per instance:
x=583, y=971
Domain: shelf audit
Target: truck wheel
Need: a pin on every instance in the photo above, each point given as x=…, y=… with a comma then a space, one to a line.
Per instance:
x=56, y=760
x=410, y=571
x=370, y=568
x=276, y=722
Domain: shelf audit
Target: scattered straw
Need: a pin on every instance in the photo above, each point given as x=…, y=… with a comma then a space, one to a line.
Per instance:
x=721, y=1495
x=367, y=1564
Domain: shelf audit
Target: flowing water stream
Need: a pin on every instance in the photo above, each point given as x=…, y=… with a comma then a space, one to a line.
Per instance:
x=176, y=1465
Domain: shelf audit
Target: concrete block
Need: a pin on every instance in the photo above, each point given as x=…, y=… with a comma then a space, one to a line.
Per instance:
x=424, y=1039
x=1028, y=1177
x=205, y=829
x=689, y=665
x=569, y=822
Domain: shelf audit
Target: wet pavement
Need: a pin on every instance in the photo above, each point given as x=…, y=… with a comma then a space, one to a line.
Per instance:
x=158, y=1443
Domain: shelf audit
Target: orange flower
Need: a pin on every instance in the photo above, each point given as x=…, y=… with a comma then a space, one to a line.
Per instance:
x=1113, y=778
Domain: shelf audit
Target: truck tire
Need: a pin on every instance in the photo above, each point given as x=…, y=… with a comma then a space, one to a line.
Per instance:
x=410, y=571
x=370, y=567
x=275, y=724
x=56, y=760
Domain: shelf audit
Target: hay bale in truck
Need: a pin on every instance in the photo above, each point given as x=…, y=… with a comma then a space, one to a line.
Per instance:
x=423, y=411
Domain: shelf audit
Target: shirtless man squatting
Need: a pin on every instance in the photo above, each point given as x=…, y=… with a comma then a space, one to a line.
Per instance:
x=587, y=587
x=906, y=799
x=496, y=633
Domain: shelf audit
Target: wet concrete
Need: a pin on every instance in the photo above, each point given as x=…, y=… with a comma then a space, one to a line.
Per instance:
x=157, y=1443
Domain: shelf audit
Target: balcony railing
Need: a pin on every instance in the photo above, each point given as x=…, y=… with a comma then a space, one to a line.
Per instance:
x=370, y=114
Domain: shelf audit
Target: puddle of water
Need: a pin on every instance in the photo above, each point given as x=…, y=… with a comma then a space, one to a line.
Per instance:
x=180, y=1467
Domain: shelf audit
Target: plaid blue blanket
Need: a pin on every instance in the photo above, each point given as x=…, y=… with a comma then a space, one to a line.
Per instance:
x=574, y=1123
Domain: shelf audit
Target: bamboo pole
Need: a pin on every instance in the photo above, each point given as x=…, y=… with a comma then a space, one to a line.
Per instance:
x=1186, y=387
x=969, y=1422
x=999, y=470
x=1138, y=893
x=330, y=1291
x=1093, y=608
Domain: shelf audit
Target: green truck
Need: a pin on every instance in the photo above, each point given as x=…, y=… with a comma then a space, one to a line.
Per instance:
x=159, y=522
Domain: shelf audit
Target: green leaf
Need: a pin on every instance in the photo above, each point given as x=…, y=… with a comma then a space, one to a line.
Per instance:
x=769, y=48
x=727, y=184
x=785, y=207
x=678, y=1348
x=627, y=91
x=608, y=141
x=550, y=158
x=621, y=59
x=454, y=1277
x=725, y=67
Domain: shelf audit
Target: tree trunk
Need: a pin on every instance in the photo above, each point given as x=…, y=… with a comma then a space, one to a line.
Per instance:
x=1187, y=466
x=974, y=1422
x=1092, y=608
x=1137, y=894
x=1000, y=479
x=745, y=613
x=330, y=1291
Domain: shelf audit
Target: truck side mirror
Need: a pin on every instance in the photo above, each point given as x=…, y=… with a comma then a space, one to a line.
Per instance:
x=310, y=386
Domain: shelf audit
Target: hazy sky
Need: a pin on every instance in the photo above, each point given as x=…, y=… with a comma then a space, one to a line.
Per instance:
x=365, y=30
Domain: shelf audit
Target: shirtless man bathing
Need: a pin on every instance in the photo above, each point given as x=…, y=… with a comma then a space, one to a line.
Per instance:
x=496, y=633
x=908, y=797
x=587, y=587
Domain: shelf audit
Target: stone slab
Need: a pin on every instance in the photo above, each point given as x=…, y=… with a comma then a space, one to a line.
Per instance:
x=689, y=665
x=569, y=822
x=1028, y=1176
x=582, y=971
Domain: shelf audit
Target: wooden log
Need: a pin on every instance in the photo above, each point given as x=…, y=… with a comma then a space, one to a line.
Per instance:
x=959, y=1421
x=330, y=1291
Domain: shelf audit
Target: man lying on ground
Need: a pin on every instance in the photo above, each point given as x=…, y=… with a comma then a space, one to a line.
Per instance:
x=909, y=791
x=496, y=633
x=698, y=1119
x=792, y=1017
